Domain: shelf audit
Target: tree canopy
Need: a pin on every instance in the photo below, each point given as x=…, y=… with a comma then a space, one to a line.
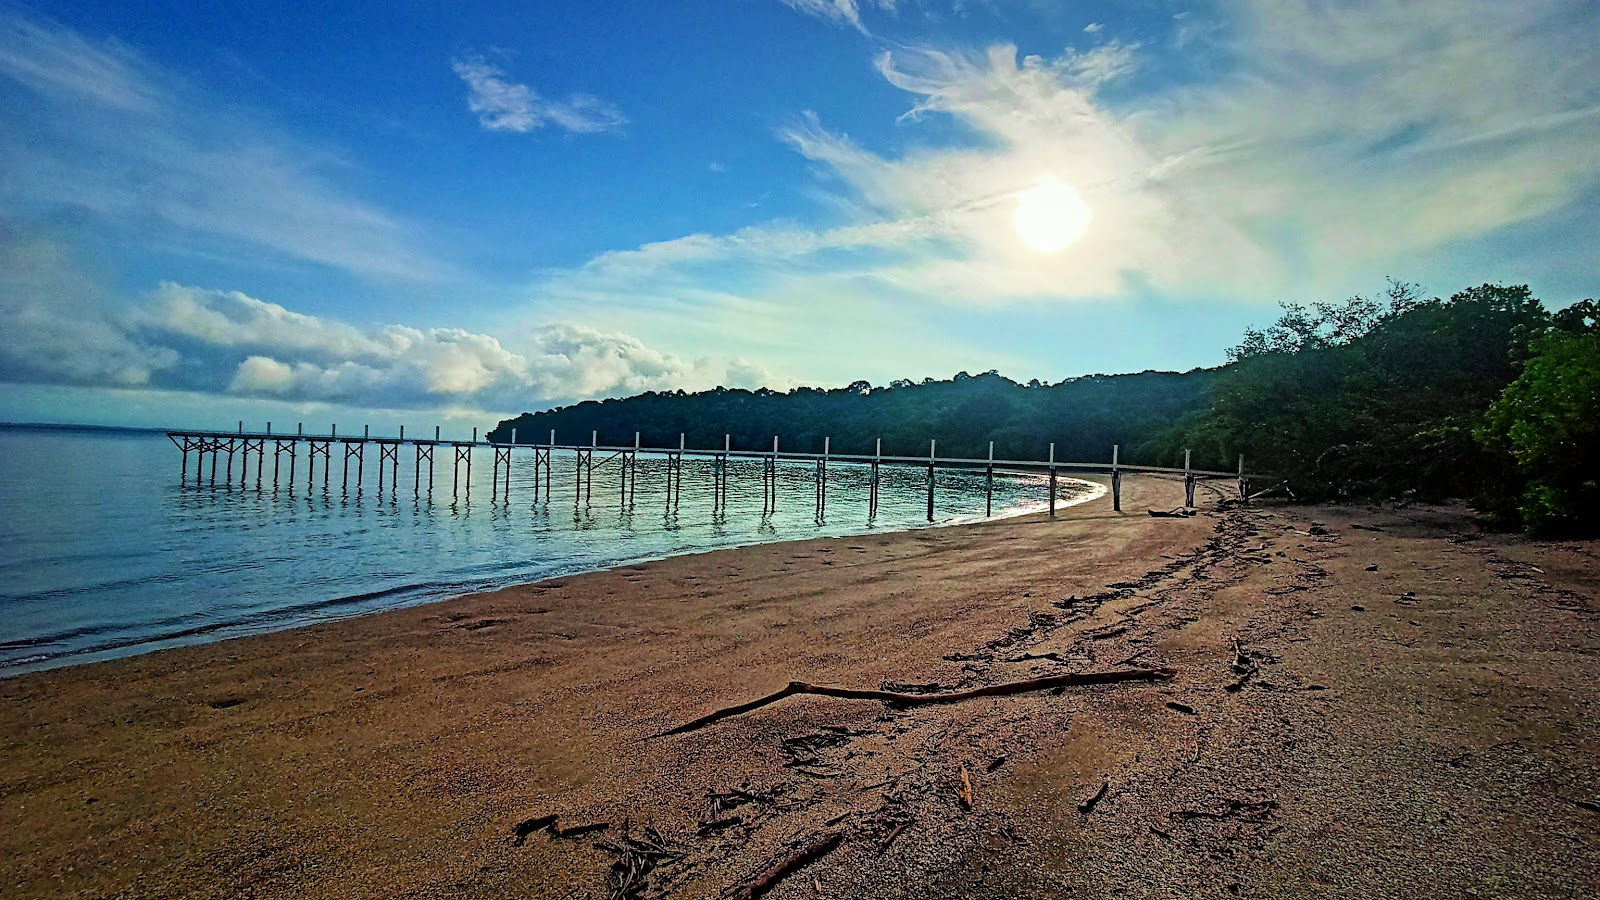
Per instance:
x=1484, y=395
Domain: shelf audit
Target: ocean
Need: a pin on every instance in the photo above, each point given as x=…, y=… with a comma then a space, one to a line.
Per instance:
x=105, y=553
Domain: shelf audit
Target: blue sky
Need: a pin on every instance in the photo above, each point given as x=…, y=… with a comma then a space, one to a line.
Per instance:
x=409, y=213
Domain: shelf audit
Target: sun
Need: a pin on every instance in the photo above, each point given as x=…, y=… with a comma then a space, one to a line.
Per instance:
x=1051, y=215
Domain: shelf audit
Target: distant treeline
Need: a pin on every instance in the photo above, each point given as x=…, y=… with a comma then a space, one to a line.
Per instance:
x=1486, y=395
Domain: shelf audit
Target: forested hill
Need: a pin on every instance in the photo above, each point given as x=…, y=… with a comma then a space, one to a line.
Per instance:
x=1486, y=395
x=1084, y=417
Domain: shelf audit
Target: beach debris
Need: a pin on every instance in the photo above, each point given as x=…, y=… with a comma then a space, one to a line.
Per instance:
x=1590, y=805
x=1029, y=657
x=893, y=833
x=636, y=859
x=997, y=762
x=721, y=824
x=551, y=823
x=1184, y=708
x=1253, y=810
x=794, y=688
x=1177, y=513
x=1242, y=666
x=1087, y=806
x=1363, y=527
x=529, y=826
x=807, y=852
x=965, y=792
x=578, y=830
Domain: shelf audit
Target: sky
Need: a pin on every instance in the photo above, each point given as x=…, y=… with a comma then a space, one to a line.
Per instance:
x=417, y=213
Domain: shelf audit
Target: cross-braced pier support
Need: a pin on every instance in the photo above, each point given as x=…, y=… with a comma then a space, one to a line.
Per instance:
x=583, y=474
x=315, y=449
x=463, y=454
x=675, y=476
x=354, y=449
x=282, y=446
x=502, y=469
x=769, y=481
x=541, y=462
x=424, y=452
x=389, y=452
x=629, y=459
x=719, y=479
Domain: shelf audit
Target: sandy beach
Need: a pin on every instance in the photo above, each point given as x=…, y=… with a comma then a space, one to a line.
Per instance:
x=1365, y=702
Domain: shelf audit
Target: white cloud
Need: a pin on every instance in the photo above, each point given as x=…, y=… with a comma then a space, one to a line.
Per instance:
x=1093, y=28
x=503, y=105
x=1338, y=144
x=97, y=129
x=839, y=12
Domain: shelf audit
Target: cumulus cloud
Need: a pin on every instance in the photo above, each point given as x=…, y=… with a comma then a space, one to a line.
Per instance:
x=95, y=128
x=503, y=105
x=57, y=326
x=214, y=341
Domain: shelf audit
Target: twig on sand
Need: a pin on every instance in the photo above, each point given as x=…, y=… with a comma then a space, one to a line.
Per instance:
x=809, y=852
x=1088, y=805
x=965, y=793
x=890, y=697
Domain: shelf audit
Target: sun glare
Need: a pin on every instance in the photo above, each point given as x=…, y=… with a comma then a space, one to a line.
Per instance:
x=1051, y=215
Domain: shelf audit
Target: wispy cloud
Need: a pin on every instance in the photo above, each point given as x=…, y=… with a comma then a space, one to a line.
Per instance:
x=96, y=128
x=1338, y=144
x=839, y=12
x=503, y=105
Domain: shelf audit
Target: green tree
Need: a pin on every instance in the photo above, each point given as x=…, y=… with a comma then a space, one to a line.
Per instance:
x=1548, y=423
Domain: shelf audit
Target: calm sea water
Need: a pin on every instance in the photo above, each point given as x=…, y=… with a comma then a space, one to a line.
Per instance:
x=104, y=553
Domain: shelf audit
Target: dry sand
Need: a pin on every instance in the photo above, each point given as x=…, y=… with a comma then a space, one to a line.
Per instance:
x=1425, y=728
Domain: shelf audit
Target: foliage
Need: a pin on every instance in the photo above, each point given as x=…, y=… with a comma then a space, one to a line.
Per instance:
x=1484, y=395
x=1548, y=423
x=1084, y=417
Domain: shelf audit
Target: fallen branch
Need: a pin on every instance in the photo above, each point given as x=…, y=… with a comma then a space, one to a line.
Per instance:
x=809, y=852
x=993, y=690
x=1179, y=513
x=965, y=793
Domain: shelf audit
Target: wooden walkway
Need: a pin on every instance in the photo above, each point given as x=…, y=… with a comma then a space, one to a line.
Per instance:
x=223, y=459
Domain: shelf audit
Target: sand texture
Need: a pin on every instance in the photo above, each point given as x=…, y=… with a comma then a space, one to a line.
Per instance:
x=1366, y=702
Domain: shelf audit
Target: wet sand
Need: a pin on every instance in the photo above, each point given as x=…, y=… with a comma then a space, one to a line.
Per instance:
x=1424, y=728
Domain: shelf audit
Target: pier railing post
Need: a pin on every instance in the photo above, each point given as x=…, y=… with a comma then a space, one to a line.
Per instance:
x=988, y=485
x=872, y=481
x=1116, y=481
x=1052, y=480
x=1188, y=481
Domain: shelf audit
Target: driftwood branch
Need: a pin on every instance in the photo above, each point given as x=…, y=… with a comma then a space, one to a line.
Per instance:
x=897, y=699
x=808, y=852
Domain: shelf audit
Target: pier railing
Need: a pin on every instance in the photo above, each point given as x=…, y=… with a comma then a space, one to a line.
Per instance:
x=286, y=449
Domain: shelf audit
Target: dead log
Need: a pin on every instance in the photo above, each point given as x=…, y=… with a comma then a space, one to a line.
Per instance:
x=794, y=688
x=808, y=852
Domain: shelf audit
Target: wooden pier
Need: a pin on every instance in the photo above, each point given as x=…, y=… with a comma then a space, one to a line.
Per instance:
x=215, y=454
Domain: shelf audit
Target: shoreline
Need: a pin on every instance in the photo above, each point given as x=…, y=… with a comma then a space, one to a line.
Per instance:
x=399, y=753
x=423, y=594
